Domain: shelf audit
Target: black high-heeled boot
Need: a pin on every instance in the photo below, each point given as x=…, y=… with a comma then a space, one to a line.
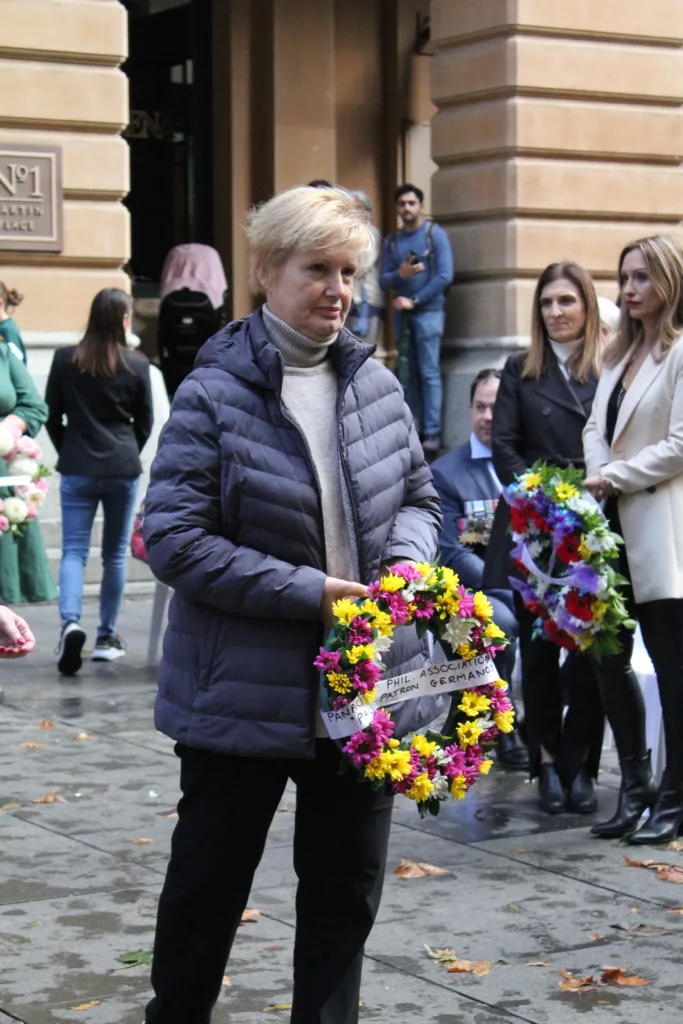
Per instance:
x=666, y=820
x=552, y=796
x=581, y=797
x=638, y=792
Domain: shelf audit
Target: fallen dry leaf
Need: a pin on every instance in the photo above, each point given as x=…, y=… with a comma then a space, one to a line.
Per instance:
x=226, y=983
x=285, y=810
x=521, y=850
x=596, y=938
x=672, y=910
x=84, y=736
x=31, y=745
x=652, y=864
x=142, y=842
x=571, y=984
x=269, y=948
x=11, y=806
x=53, y=797
x=676, y=845
x=476, y=967
x=540, y=963
x=47, y=724
x=671, y=873
x=87, y=1006
x=277, y=1006
x=250, y=916
x=619, y=976
x=174, y=815
x=442, y=956
x=418, y=869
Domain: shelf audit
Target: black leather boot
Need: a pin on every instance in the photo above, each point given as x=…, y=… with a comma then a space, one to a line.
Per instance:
x=666, y=820
x=638, y=792
x=551, y=793
x=511, y=752
x=581, y=797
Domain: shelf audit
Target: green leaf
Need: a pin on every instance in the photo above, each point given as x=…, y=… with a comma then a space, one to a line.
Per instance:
x=141, y=956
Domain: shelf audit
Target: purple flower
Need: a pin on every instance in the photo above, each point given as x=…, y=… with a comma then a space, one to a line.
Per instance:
x=585, y=578
x=408, y=572
x=327, y=661
x=382, y=726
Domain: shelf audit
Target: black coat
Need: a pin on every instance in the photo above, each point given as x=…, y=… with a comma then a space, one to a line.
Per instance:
x=533, y=419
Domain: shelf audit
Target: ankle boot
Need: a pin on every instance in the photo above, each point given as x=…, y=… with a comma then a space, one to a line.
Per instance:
x=551, y=793
x=581, y=797
x=666, y=820
x=638, y=792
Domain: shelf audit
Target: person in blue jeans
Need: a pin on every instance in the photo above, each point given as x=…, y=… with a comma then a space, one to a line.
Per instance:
x=417, y=265
x=103, y=391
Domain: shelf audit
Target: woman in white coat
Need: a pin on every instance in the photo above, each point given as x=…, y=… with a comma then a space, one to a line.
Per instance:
x=633, y=445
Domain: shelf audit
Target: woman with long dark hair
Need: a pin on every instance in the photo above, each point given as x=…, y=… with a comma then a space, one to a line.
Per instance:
x=543, y=403
x=103, y=390
x=634, y=457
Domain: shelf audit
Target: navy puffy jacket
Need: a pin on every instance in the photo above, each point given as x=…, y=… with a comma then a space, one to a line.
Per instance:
x=233, y=524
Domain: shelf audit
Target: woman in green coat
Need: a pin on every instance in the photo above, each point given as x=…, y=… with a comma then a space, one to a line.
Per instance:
x=24, y=570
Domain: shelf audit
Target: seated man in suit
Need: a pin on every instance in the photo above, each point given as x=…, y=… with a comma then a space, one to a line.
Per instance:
x=469, y=490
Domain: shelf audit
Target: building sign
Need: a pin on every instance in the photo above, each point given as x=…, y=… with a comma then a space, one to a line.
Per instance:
x=30, y=198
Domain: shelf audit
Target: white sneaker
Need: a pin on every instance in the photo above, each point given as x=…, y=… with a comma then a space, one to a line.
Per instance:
x=109, y=648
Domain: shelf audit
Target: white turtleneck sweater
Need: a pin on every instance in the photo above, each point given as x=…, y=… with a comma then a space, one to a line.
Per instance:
x=564, y=350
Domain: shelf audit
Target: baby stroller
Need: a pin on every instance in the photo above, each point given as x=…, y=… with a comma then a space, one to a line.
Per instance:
x=193, y=290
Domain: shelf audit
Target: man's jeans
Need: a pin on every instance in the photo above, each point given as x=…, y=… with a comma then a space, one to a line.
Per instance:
x=418, y=336
x=81, y=496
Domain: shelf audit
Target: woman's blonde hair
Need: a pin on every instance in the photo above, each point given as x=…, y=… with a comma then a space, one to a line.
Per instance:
x=664, y=261
x=587, y=361
x=305, y=218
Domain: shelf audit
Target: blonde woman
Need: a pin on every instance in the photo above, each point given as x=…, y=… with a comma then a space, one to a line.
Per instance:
x=543, y=402
x=634, y=459
x=289, y=469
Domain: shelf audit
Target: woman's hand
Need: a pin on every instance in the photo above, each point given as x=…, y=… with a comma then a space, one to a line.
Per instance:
x=14, y=424
x=334, y=591
x=16, y=639
x=599, y=487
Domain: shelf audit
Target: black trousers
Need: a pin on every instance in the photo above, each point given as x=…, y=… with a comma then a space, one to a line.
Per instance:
x=573, y=738
x=340, y=847
x=661, y=623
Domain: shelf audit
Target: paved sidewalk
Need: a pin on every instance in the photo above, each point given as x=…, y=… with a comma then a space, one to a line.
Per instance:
x=78, y=887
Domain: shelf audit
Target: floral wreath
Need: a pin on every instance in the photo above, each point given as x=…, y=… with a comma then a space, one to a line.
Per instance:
x=564, y=552
x=430, y=767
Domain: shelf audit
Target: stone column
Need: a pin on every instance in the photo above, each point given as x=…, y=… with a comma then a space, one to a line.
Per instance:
x=559, y=135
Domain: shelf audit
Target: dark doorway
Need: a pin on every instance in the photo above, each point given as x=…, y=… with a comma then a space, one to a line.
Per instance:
x=169, y=134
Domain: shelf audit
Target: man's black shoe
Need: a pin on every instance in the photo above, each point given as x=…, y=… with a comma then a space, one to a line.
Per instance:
x=511, y=752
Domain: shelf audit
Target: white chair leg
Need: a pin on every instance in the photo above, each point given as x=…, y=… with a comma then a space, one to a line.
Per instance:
x=156, y=625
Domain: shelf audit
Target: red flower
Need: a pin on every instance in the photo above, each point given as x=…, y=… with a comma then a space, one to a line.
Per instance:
x=568, y=551
x=519, y=520
x=558, y=636
x=579, y=605
x=521, y=569
x=536, y=609
x=540, y=522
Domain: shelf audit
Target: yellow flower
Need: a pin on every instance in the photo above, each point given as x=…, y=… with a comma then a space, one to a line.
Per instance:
x=469, y=733
x=344, y=610
x=485, y=767
x=466, y=652
x=447, y=604
x=530, y=480
x=494, y=632
x=379, y=619
x=426, y=570
x=482, y=607
x=474, y=704
x=504, y=720
x=339, y=682
x=585, y=551
x=422, y=745
x=565, y=491
x=392, y=583
x=421, y=788
x=459, y=787
x=360, y=651
x=599, y=610
x=369, y=696
x=500, y=684
x=378, y=767
x=586, y=641
x=450, y=578
x=400, y=764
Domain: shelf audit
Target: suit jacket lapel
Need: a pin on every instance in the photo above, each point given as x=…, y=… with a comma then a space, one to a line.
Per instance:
x=482, y=481
x=574, y=396
x=645, y=377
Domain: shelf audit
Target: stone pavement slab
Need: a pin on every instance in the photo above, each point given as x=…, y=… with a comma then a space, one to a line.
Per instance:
x=77, y=890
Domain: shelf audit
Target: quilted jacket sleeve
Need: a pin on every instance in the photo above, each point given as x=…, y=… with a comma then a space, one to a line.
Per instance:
x=414, y=535
x=182, y=526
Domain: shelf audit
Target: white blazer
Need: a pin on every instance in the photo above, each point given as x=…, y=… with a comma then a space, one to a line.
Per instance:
x=645, y=463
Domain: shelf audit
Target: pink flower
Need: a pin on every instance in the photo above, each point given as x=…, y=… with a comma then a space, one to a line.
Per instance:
x=42, y=484
x=499, y=702
x=4, y=524
x=362, y=747
x=397, y=606
x=466, y=606
x=32, y=512
x=408, y=572
x=382, y=726
x=27, y=446
x=423, y=609
x=327, y=661
x=457, y=761
x=489, y=736
x=342, y=702
x=360, y=631
x=364, y=675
